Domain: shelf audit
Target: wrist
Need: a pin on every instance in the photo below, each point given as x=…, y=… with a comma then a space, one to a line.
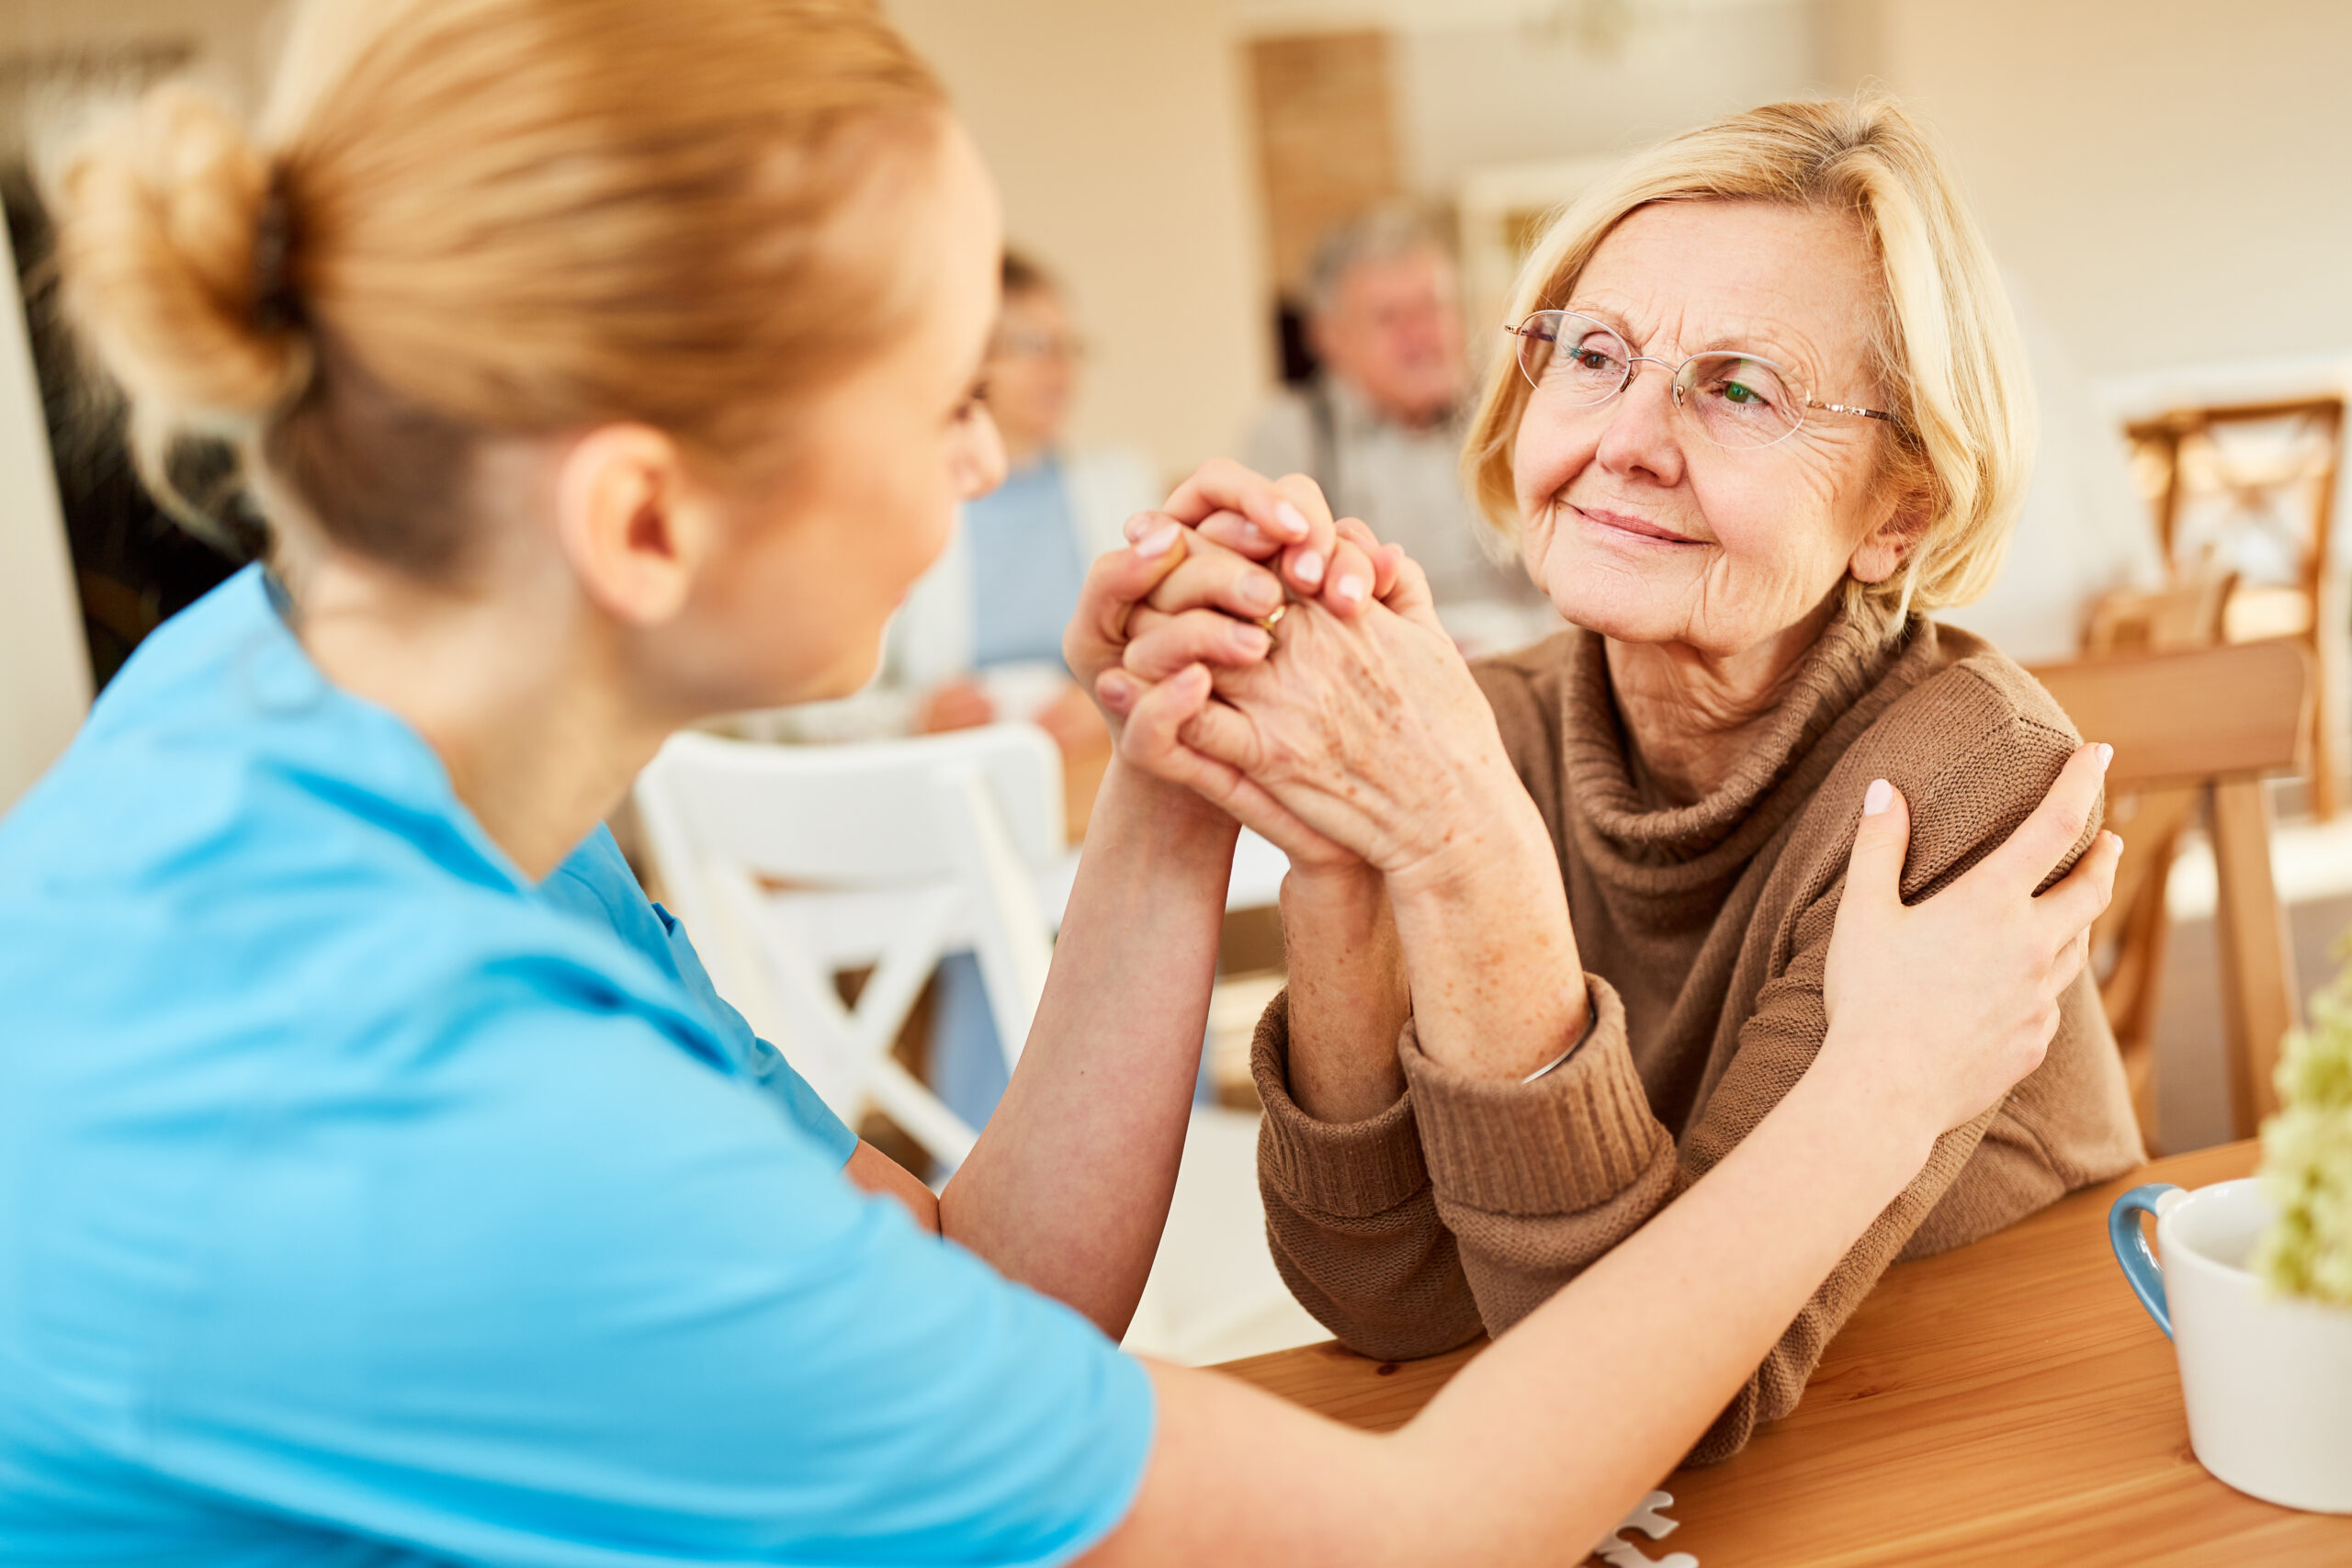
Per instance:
x=1846, y=1090
x=1494, y=904
x=1313, y=888
x=1491, y=828
x=1132, y=802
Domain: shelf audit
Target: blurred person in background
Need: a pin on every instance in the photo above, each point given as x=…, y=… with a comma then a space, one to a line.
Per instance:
x=980, y=637
x=1380, y=427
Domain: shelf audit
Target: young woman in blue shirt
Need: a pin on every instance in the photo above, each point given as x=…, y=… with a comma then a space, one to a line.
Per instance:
x=380, y=1179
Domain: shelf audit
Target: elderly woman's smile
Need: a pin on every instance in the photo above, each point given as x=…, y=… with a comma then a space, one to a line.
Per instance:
x=1618, y=528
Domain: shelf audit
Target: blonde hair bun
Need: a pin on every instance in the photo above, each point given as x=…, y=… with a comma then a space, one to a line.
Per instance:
x=161, y=219
x=470, y=221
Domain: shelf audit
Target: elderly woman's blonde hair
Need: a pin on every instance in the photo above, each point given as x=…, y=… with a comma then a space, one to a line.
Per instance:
x=1945, y=348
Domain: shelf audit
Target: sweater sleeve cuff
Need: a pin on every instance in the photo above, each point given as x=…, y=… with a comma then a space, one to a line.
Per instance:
x=1350, y=1169
x=1569, y=1141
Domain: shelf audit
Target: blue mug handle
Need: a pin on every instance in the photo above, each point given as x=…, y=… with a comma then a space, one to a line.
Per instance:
x=2133, y=1251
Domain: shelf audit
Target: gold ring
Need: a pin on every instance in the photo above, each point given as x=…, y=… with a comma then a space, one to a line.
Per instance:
x=1267, y=623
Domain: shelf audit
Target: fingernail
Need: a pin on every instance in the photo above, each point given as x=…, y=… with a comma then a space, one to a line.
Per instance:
x=1251, y=641
x=1158, y=544
x=1878, y=797
x=1292, y=518
x=1310, y=568
x=1137, y=526
x=2105, y=755
x=1119, y=692
x=1350, y=588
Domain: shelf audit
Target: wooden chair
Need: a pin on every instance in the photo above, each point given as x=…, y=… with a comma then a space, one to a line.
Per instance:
x=2129, y=941
x=2213, y=723
x=2255, y=485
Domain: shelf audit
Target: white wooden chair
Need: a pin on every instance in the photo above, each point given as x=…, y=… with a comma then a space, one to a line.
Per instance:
x=792, y=864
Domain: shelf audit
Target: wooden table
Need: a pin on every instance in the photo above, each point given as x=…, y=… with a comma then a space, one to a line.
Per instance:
x=2008, y=1403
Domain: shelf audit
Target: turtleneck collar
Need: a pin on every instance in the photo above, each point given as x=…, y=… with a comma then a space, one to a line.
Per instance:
x=1620, y=820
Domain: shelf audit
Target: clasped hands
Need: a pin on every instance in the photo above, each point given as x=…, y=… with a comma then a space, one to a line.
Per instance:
x=1290, y=668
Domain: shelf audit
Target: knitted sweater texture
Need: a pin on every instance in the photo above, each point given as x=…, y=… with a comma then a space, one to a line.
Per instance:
x=1704, y=929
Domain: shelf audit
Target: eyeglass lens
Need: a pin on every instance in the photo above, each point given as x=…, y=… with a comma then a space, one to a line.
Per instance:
x=1735, y=400
x=1019, y=343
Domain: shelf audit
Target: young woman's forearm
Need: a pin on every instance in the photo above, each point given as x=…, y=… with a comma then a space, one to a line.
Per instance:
x=1348, y=997
x=1542, y=1444
x=1068, y=1187
x=1686, y=1308
x=1497, y=986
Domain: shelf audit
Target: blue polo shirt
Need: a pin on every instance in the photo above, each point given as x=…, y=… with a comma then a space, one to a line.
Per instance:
x=363, y=1203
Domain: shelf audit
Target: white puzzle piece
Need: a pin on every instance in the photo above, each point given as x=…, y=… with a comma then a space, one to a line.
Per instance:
x=1647, y=1519
x=1651, y=1520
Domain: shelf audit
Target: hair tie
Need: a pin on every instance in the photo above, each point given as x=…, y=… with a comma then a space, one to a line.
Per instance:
x=277, y=306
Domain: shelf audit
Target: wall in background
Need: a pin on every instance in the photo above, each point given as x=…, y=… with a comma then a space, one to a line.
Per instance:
x=48, y=46
x=1117, y=134
x=2167, y=177
x=1515, y=90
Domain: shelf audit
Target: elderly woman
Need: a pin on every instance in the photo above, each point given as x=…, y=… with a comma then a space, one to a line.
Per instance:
x=1558, y=923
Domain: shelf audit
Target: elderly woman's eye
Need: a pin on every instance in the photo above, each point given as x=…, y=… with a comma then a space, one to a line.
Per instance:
x=1746, y=385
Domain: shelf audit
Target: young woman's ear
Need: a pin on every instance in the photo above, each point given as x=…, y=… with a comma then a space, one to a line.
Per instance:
x=631, y=525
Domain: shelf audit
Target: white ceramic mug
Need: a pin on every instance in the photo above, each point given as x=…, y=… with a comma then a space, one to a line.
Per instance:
x=2267, y=1379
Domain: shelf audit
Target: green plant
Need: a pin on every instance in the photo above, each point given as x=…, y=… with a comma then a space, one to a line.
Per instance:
x=2307, y=1154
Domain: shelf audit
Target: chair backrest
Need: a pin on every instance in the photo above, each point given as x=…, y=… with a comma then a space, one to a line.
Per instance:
x=2253, y=487
x=2186, y=612
x=757, y=844
x=2129, y=941
x=2189, y=717
x=2217, y=720
x=849, y=815
x=2254, y=482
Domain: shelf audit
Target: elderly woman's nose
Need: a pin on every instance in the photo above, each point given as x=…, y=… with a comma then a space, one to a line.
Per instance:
x=1643, y=433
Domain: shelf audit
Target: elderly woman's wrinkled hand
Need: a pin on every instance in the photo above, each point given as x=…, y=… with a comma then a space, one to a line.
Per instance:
x=1192, y=623
x=1234, y=546
x=1367, y=732
x=1200, y=587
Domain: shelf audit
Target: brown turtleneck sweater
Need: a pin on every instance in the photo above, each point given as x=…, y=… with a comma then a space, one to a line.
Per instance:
x=1705, y=928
